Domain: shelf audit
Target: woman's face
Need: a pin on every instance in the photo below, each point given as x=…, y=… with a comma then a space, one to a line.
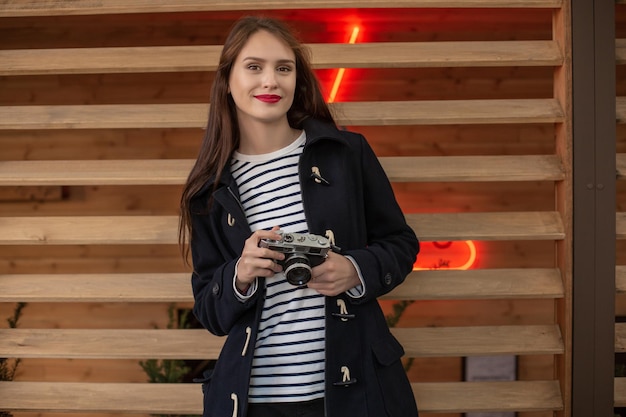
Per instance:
x=263, y=79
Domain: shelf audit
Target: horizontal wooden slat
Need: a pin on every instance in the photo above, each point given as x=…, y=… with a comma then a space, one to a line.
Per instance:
x=353, y=113
x=619, y=391
x=620, y=166
x=176, y=287
x=480, y=340
x=620, y=51
x=170, y=171
x=620, y=279
x=135, y=398
x=480, y=284
x=95, y=172
x=472, y=168
x=87, y=7
x=200, y=344
x=66, y=230
x=487, y=226
x=620, y=225
x=137, y=287
x=620, y=337
x=88, y=230
x=206, y=57
x=454, y=397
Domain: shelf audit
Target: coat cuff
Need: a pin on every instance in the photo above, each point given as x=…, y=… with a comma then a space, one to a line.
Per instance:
x=251, y=289
x=359, y=290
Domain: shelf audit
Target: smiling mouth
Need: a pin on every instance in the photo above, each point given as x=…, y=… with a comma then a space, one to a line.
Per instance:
x=268, y=98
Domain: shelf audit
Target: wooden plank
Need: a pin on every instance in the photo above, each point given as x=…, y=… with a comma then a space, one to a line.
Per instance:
x=76, y=397
x=619, y=391
x=134, y=398
x=206, y=57
x=620, y=225
x=136, y=287
x=620, y=103
x=480, y=284
x=455, y=397
x=200, y=344
x=620, y=51
x=472, y=168
x=620, y=279
x=119, y=230
x=425, y=112
x=620, y=338
x=480, y=340
x=12, y=8
x=175, y=287
x=110, y=343
x=94, y=230
x=487, y=226
x=445, y=112
x=175, y=171
x=620, y=163
x=95, y=172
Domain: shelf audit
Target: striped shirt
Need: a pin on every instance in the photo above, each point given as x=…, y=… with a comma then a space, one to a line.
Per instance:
x=288, y=362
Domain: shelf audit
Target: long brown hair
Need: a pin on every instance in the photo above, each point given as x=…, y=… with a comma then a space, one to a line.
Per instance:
x=221, y=137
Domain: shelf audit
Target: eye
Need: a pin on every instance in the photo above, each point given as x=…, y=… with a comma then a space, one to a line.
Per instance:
x=254, y=67
x=284, y=68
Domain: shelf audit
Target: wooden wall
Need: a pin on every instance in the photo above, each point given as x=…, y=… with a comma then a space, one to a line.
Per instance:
x=437, y=82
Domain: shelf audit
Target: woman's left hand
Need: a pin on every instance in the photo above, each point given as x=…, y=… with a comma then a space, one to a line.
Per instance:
x=335, y=275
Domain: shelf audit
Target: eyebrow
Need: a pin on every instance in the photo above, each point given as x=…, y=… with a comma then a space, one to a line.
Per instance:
x=280, y=61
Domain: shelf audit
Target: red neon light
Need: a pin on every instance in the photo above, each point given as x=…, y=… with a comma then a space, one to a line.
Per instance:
x=340, y=73
x=446, y=255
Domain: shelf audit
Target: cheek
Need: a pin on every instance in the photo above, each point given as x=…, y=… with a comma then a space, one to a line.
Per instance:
x=290, y=87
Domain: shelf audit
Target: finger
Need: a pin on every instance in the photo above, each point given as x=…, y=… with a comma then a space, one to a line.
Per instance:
x=251, y=267
x=267, y=234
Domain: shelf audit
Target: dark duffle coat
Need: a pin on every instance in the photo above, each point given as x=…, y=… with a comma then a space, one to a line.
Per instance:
x=354, y=199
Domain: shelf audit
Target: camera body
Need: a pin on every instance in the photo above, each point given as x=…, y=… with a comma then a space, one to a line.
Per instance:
x=302, y=252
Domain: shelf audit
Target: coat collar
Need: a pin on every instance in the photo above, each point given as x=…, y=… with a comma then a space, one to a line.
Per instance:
x=316, y=130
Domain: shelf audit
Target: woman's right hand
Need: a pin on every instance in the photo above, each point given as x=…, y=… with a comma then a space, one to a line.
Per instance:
x=256, y=261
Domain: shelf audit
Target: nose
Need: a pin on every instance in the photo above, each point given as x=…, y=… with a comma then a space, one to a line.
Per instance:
x=269, y=79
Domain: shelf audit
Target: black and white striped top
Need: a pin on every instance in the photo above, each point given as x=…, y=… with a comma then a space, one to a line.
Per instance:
x=289, y=354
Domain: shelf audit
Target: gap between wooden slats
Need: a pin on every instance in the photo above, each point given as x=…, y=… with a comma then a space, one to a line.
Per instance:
x=175, y=171
x=473, y=284
x=11, y=8
x=200, y=344
x=115, y=230
x=427, y=112
x=187, y=398
x=206, y=57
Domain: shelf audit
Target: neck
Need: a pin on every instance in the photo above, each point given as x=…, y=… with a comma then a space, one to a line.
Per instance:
x=262, y=138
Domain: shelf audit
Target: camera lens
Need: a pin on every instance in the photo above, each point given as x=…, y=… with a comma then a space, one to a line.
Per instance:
x=297, y=269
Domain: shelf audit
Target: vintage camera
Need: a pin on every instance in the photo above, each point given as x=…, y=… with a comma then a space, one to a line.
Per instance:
x=302, y=252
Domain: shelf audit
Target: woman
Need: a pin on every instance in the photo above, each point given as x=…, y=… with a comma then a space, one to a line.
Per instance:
x=272, y=164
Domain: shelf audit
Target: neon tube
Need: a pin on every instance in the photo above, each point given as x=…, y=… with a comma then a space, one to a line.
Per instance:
x=340, y=73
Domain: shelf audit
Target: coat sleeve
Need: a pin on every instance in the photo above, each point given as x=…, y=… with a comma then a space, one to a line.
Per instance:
x=392, y=245
x=216, y=305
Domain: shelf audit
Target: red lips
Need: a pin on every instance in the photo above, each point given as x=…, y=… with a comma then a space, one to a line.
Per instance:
x=268, y=98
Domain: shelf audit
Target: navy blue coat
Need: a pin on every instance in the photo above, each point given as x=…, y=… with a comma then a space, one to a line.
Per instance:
x=364, y=374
